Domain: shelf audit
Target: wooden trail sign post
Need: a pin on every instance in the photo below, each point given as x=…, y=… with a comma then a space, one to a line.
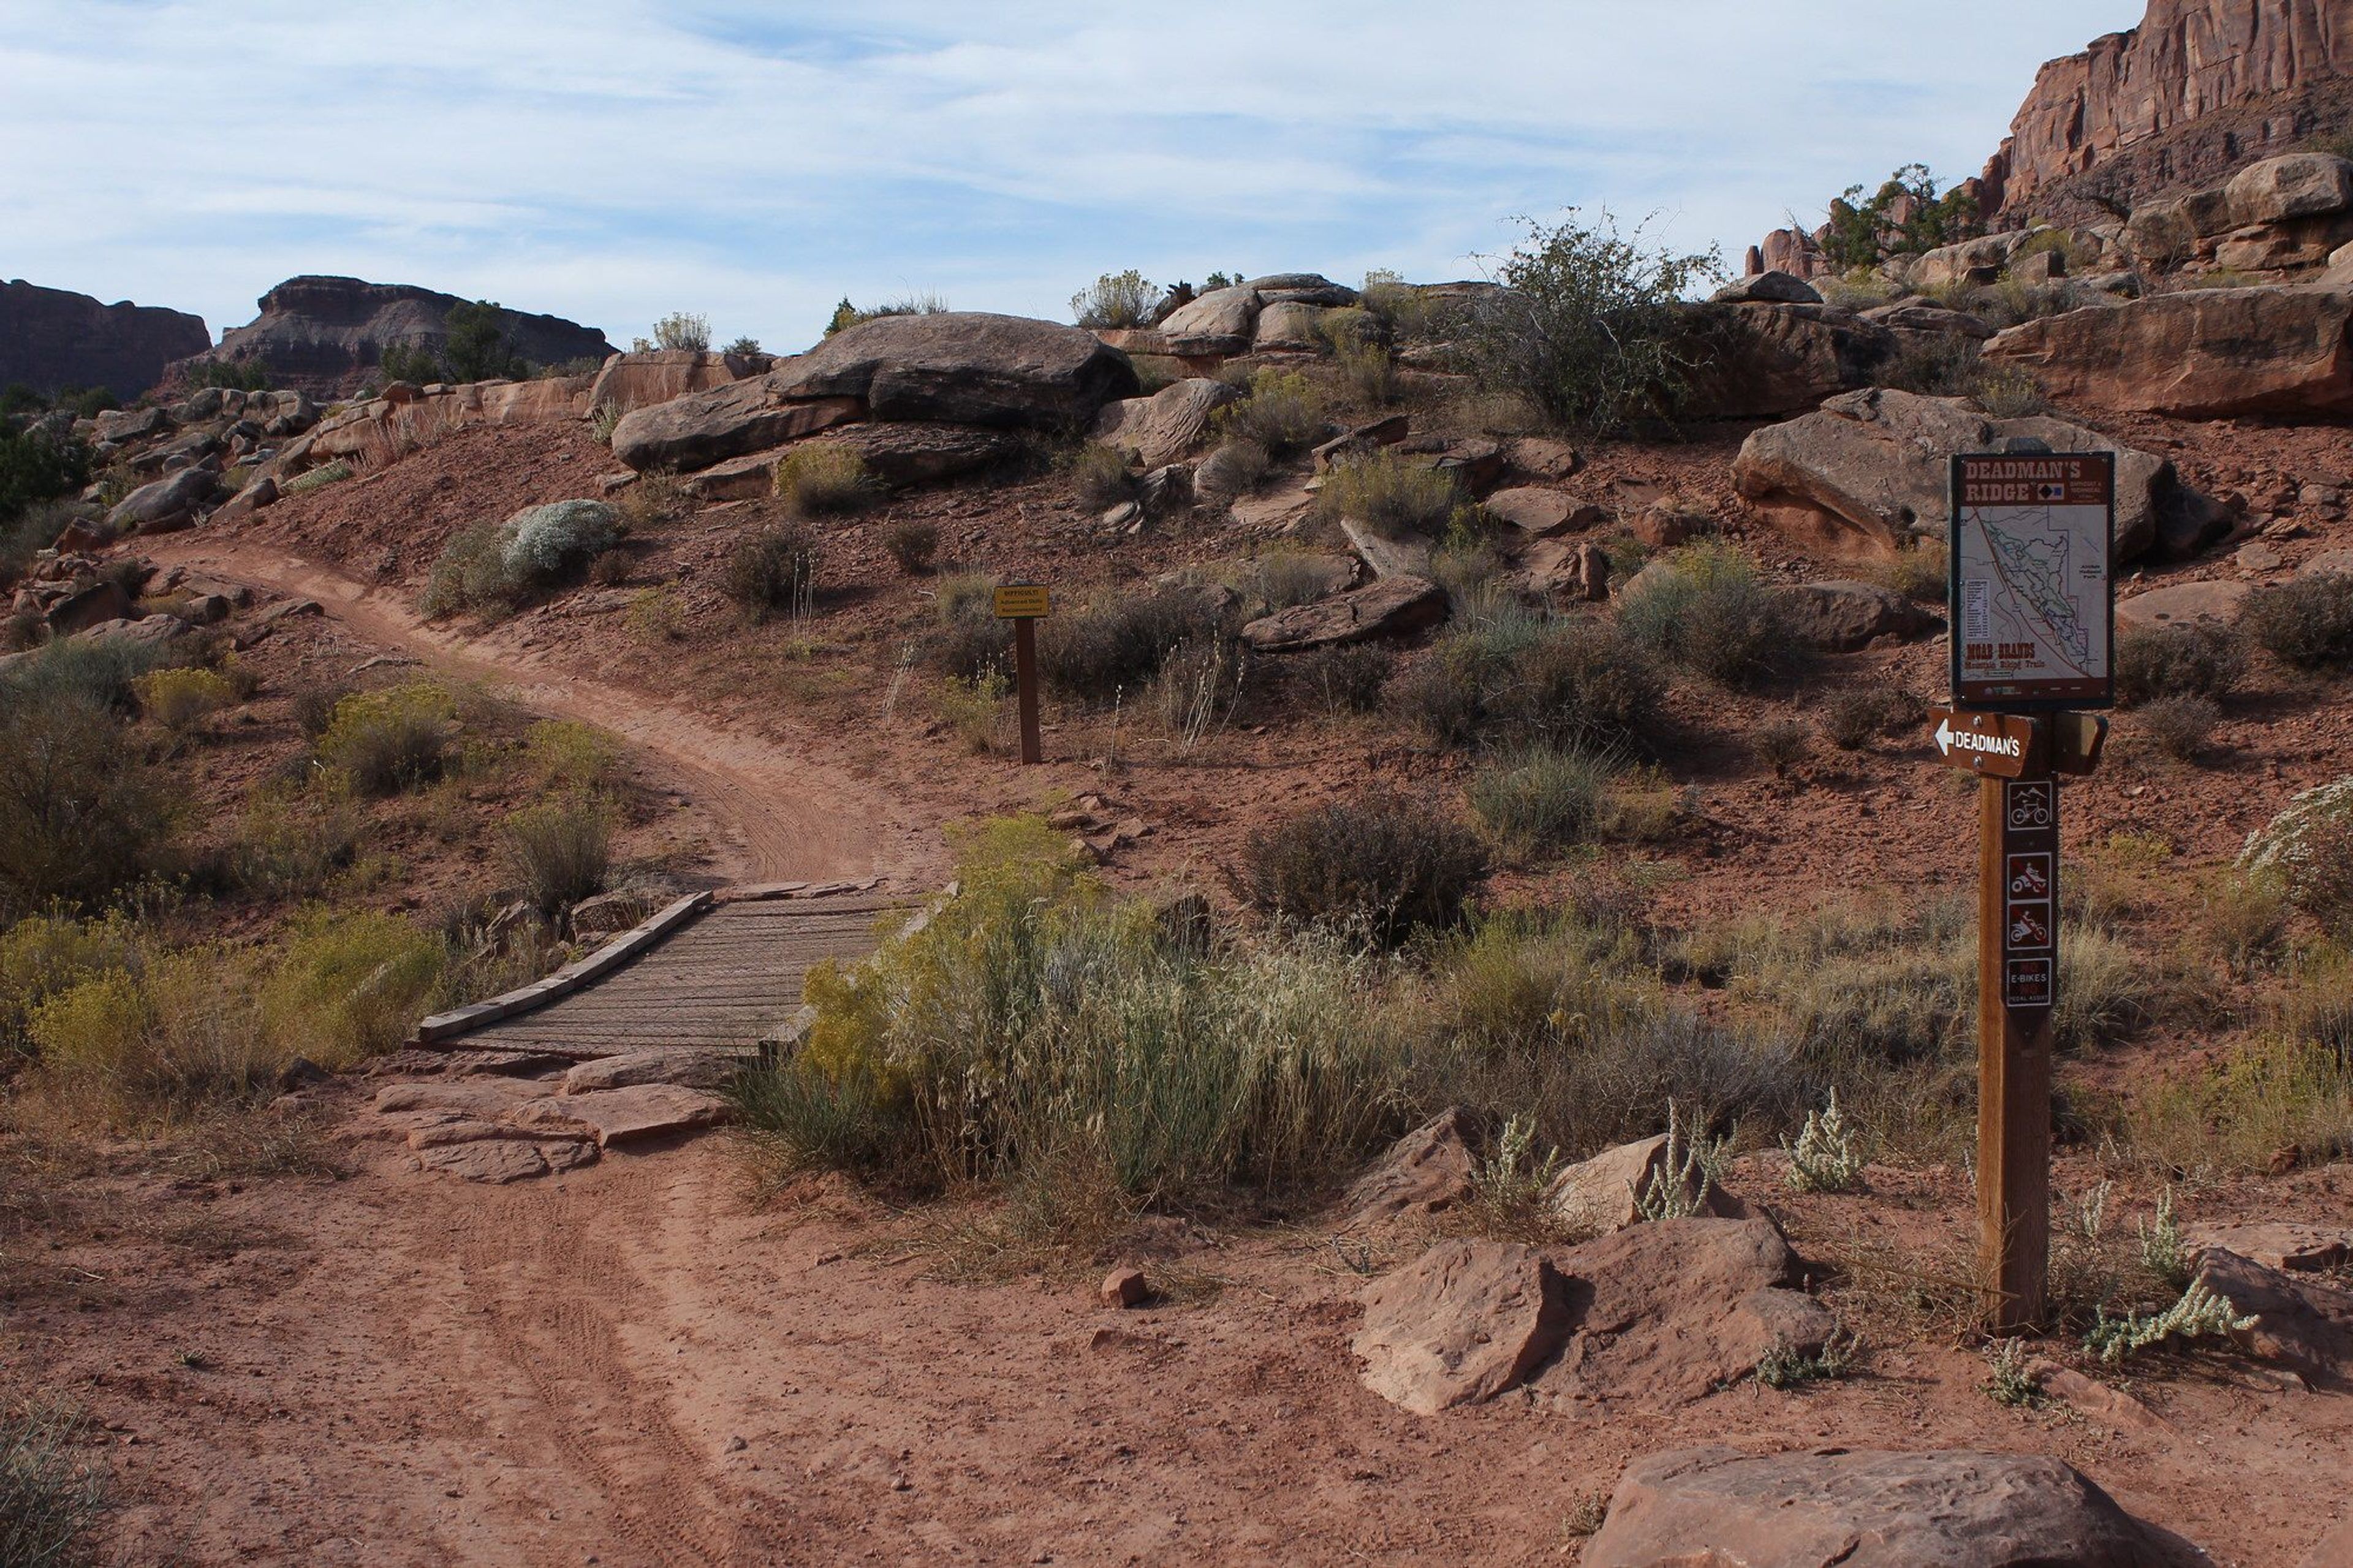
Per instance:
x=1024, y=604
x=2033, y=603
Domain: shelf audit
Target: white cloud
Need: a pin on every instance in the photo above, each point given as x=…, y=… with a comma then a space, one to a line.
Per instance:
x=610, y=160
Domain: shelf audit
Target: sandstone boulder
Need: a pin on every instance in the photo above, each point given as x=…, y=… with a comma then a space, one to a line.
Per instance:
x=688, y=1069
x=1913, y=316
x=2284, y=1245
x=1461, y=1324
x=150, y=631
x=1757, y=361
x=633, y=381
x=1299, y=287
x=101, y=602
x=1604, y=1193
x=1287, y=325
x=2200, y=354
x=2294, y=185
x=1387, y=554
x=2181, y=605
x=741, y=417
x=1980, y=260
x=168, y=503
x=2300, y=1320
x=1534, y=511
x=1718, y=1507
x=1842, y=616
x=1228, y=315
x=964, y=367
x=1428, y=1170
x=1165, y=426
x=1768, y=288
x=1394, y=606
x=1871, y=469
x=898, y=454
x=620, y=1115
x=259, y=491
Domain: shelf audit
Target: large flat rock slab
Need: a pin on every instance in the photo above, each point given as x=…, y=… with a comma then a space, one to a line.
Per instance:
x=611, y=1116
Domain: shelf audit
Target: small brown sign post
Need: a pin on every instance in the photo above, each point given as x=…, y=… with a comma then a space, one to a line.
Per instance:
x=2033, y=607
x=1023, y=604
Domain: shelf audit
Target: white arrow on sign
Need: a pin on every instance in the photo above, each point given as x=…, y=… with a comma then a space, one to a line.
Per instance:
x=1945, y=737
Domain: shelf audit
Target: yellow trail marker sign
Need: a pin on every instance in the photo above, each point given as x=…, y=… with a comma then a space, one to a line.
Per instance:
x=1022, y=601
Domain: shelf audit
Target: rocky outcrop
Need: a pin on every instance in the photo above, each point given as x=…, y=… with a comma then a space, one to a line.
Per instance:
x=327, y=336
x=634, y=381
x=2195, y=91
x=1166, y=425
x=1842, y=616
x=384, y=429
x=52, y=340
x=1760, y=360
x=2202, y=353
x=1695, y=1508
x=1394, y=606
x=1871, y=470
x=1427, y=1172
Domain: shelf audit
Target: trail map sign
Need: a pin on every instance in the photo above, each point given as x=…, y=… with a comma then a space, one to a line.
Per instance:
x=2032, y=597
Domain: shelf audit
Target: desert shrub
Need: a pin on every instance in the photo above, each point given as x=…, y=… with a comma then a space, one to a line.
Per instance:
x=610, y=569
x=2238, y=1111
x=1120, y=641
x=1934, y=365
x=681, y=330
x=1034, y=1025
x=659, y=495
x=770, y=572
x=1522, y=680
x=2180, y=727
x=51, y=1495
x=2201, y=660
x=1388, y=493
x=33, y=529
x=746, y=346
x=313, y=706
x=542, y=544
x=1234, y=469
x=289, y=842
x=567, y=752
x=819, y=479
x=2305, y=623
x=1587, y=325
x=1282, y=414
x=2306, y=851
x=1712, y=613
x=972, y=707
x=1781, y=745
x=1387, y=866
x=1916, y=573
x=601, y=422
x=35, y=466
x=1114, y=301
x=2010, y=393
x=1542, y=802
x=349, y=984
x=81, y=814
x=477, y=348
x=1198, y=687
x=416, y=363
x=1100, y=477
x=847, y=315
x=101, y=676
x=43, y=955
x=169, y=1032
x=912, y=544
x=180, y=700
x=1344, y=679
x=656, y=614
x=1280, y=577
x=325, y=474
x=1852, y=718
x=391, y=740
x=560, y=849
x=469, y=574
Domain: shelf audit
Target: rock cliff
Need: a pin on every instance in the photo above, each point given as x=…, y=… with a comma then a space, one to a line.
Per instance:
x=2199, y=89
x=50, y=339
x=326, y=335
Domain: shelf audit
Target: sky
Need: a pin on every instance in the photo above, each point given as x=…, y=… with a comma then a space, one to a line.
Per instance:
x=611, y=161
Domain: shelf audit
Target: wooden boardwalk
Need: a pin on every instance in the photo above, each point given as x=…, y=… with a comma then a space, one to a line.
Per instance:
x=713, y=972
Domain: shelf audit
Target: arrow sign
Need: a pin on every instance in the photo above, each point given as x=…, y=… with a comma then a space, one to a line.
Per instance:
x=2001, y=744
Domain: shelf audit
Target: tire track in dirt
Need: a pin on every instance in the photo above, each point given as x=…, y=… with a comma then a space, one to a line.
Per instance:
x=793, y=814
x=552, y=1300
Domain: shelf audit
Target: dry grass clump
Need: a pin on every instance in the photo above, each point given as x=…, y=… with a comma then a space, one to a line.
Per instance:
x=1514, y=678
x=1282, y=414
x=1853, y=717
x=912, y=544
x=2305, y=623
x=1119, y=642
x=1542, y=802
x=659, y=496
x=772, y=571
x=2202, y=660
x=1348, y=678
x=1715, y=613
x=1100, y=478
x=819, y=479
x=1385, y=867
x=1116, y=301
x=1388, y=493
x=560, y=849
x=51, y=1495
x=391, y=740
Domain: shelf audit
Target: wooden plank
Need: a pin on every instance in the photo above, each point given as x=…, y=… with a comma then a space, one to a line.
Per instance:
x=564, y=981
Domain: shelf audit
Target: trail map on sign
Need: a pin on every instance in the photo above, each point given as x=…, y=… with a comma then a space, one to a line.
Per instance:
x=2031, y=594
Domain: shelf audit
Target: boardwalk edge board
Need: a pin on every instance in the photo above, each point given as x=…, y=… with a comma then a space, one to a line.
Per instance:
x=563, y=981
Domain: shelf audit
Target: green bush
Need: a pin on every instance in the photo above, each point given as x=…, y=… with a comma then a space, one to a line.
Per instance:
x=541, y=545
x=2201, y=660
x=771, y=572
x=1388, y=493
x=1714, y=614
x=1119, y=642
x=289, y=842
x=326, y=474
x=821, y=478
x=181, y=700
x=101, y=676
x=416, y=363
x=561, y=850
x=41, y=956
x=350, y=984
x=1587, y=325
x=1520, y=680
x=1100, y=478
x=1852, y=718
x=1114, y=301
x=477, y=348
x=167, y=1035
x=2305, y=623
x=1542, y=802
x=36, y=466
x=2010, y=393
x=680, y=329
x=913, y=544
x=1282, y=414
x=564, y=751
x=1385, y=866
x=391, y=740
x=969, y=642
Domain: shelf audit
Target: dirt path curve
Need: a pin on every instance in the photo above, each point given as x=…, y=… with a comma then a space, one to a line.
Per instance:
x=786, y=813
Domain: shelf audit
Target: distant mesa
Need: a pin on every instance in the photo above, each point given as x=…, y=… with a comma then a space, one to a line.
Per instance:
x=327, y=336
x=51, y=339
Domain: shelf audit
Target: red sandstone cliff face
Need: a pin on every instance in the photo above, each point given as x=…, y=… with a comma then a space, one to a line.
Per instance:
x=2199, y=89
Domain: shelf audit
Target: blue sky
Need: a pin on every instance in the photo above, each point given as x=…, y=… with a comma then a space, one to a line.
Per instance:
x=610, y=161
